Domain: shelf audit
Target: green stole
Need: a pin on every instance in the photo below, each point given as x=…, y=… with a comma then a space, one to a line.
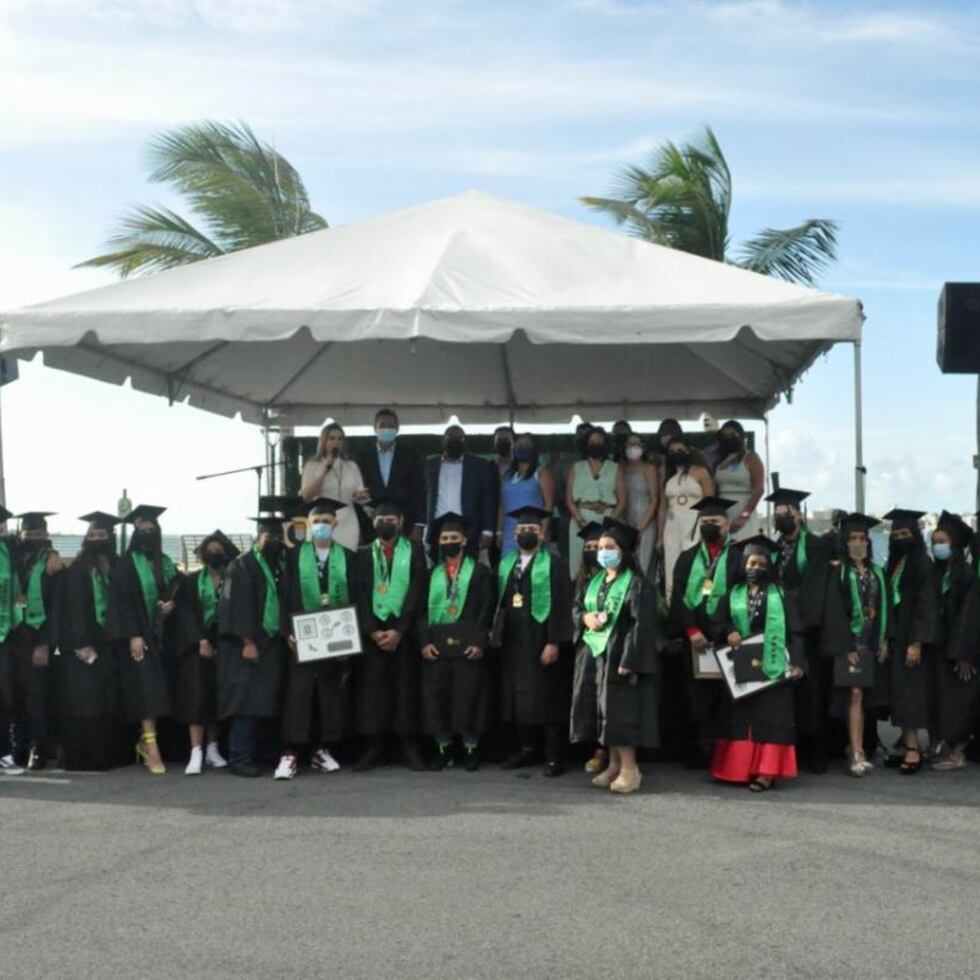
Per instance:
x=100, y=595
x=598, y=640
x=148, y=581
x=7, y=618
x=774, y=637
x=694, y=593
x=34, y=612
x=857, y=610
x=208, y=595
x=309, y=577
x=391, y=583
x=897, y=574
x=446, y=601
x=540, y=581
x=270, y=609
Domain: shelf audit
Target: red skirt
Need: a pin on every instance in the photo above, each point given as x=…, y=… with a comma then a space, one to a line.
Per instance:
x=742, y=761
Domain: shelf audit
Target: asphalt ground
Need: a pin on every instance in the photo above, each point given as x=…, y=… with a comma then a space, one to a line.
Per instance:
x=487, y=875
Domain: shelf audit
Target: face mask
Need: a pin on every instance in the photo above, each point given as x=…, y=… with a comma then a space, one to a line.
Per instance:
x=609, y=557
x=386, y=436
x=454, y=447
x=387, y=530
x=710, y=533
x=451, y=550
x=272, y=549
x=902, y=546
x=677, y=460
x=215, y=559
x=757, y=575
x=634, y=453
x=321, y=532
x=98, y=546
x=582, y=445
x=942, y=552
x=596, y=450
x=730, y=444
x=590, y=558
x=785, y=523
x=528, y=540
x=857, y=550
x=503, y=447
x=299, y=534
x=524, y=454
x=146, y=541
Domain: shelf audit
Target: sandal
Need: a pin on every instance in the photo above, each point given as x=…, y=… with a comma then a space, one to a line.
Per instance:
x=598, y=761
x=950, y=763
x=760, y=785
x=907, y=768
x=605, y=778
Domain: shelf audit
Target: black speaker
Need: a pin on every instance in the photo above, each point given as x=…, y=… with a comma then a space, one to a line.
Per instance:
x=958, y=346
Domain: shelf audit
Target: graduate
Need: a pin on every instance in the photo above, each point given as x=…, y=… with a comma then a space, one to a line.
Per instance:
x=454, y=632
x=757, y=743
x=320, y=573
x=392, y=584
x=590, y=535
x=141, y=613
x=955, y=649
x=854, y=638
x=32, y=640
x=251, y=642
x=93, y=725
x=913, y=623
x=535, y=614
x=614, y=695
x=702, y=576
x=197, y=610
x=802, y=569
x=8, y=612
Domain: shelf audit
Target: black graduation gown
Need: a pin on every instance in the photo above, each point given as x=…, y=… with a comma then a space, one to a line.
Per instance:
x=195, y=702
x=388, y=685
x=956, y=639
x=533, y=694
x=147, y=684
x=454, y=689
x=93, y=727
x=913, y=620
x=608, y=708
x=249, y=688
x=770, y=715
x=323, y=685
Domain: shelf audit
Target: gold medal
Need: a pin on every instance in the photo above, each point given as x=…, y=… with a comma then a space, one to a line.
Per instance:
x=383, y=588
x=452, y=609
x=518, y=601
x=707, y=587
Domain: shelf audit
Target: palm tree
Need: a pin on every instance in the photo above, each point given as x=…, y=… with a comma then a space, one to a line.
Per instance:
x=240, y=191
x=683, y=200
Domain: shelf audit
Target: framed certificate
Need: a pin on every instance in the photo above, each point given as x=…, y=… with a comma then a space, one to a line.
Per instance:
x=327, y=633
x=740, y=671
x=705, y=665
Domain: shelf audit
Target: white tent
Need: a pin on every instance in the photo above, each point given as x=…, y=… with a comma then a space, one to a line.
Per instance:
x=471, y=305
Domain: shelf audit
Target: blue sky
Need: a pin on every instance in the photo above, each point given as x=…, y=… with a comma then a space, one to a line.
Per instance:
x=862, y=112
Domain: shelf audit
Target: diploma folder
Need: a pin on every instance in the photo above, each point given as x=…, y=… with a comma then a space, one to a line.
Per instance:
x=742, y=678
x=453, y=639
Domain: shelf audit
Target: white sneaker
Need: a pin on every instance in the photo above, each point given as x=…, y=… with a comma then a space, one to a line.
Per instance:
x=214, y=758
x=287, y=768
x=323, y=761
x=8, y=767
x=196, y=764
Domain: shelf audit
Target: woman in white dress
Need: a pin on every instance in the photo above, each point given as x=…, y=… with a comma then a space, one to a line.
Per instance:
x=687, y=482
x=331, y=474
x=740, y=476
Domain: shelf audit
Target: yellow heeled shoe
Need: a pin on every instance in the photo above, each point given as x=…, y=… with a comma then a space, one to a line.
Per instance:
x=598, y=762
x=143, y=756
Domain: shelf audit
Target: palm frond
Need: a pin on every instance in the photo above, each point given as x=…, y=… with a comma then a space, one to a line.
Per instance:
x=796, y=254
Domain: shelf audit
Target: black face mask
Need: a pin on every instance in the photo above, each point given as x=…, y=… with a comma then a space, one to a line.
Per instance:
x=902, y=546
x=785, y=524
x=451, y=550
x=582, y=445
x=272, y=549
x=677, y=460
x=98, y=546
x=596, y=450
x=149, y=542
x=757, y=576
x=386, y=530
x=729, y=445
x=215, y=559
x=454, y=447
x=710, y=533
x=34, y=545
x=528, y=540
x=503, y=447
x=590, y=559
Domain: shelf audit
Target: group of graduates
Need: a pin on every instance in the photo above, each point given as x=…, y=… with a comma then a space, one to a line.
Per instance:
x=91, y=652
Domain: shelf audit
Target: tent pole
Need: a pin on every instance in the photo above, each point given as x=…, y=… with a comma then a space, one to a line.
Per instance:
x=765, y=419
x=859, y=470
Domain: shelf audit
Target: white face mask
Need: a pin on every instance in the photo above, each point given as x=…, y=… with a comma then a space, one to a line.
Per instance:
x=634, y=453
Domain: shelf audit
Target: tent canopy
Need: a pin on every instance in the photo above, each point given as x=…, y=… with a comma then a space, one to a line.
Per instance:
x=471, y=305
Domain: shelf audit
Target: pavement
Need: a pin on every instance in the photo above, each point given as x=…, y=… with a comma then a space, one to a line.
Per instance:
x=496, y=874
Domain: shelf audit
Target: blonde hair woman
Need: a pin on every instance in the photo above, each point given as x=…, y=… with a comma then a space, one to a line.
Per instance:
x=331, y=474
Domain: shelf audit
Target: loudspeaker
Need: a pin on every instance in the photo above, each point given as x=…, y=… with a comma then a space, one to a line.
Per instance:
x=958, y=347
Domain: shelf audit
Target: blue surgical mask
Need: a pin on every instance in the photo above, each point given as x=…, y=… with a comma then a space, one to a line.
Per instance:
x=609, y=557
x=386, y=436
x=321, y=532
x=942, y=552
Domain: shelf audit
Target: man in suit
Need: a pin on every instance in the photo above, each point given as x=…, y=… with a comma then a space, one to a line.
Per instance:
x=391, y=470
x=458, y=483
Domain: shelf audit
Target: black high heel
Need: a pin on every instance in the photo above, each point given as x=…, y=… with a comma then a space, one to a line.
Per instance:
x=910, y=768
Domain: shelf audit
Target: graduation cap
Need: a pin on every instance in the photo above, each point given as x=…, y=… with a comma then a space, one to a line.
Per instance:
x=713, y=506
x=144, y=512
x=5, y=514
x=858, y=522
x=101, y=519
x=529, y=515
x=221, y=538
x=388, y=506
x=905, y=519
x=959, y=531
x=324, y=505
x=624, y=535
x=451, y=521
x=289, y=507
x=270, y=523
x=34, y=520
x=786, y=496
x=591, y=531
x=758, y=544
